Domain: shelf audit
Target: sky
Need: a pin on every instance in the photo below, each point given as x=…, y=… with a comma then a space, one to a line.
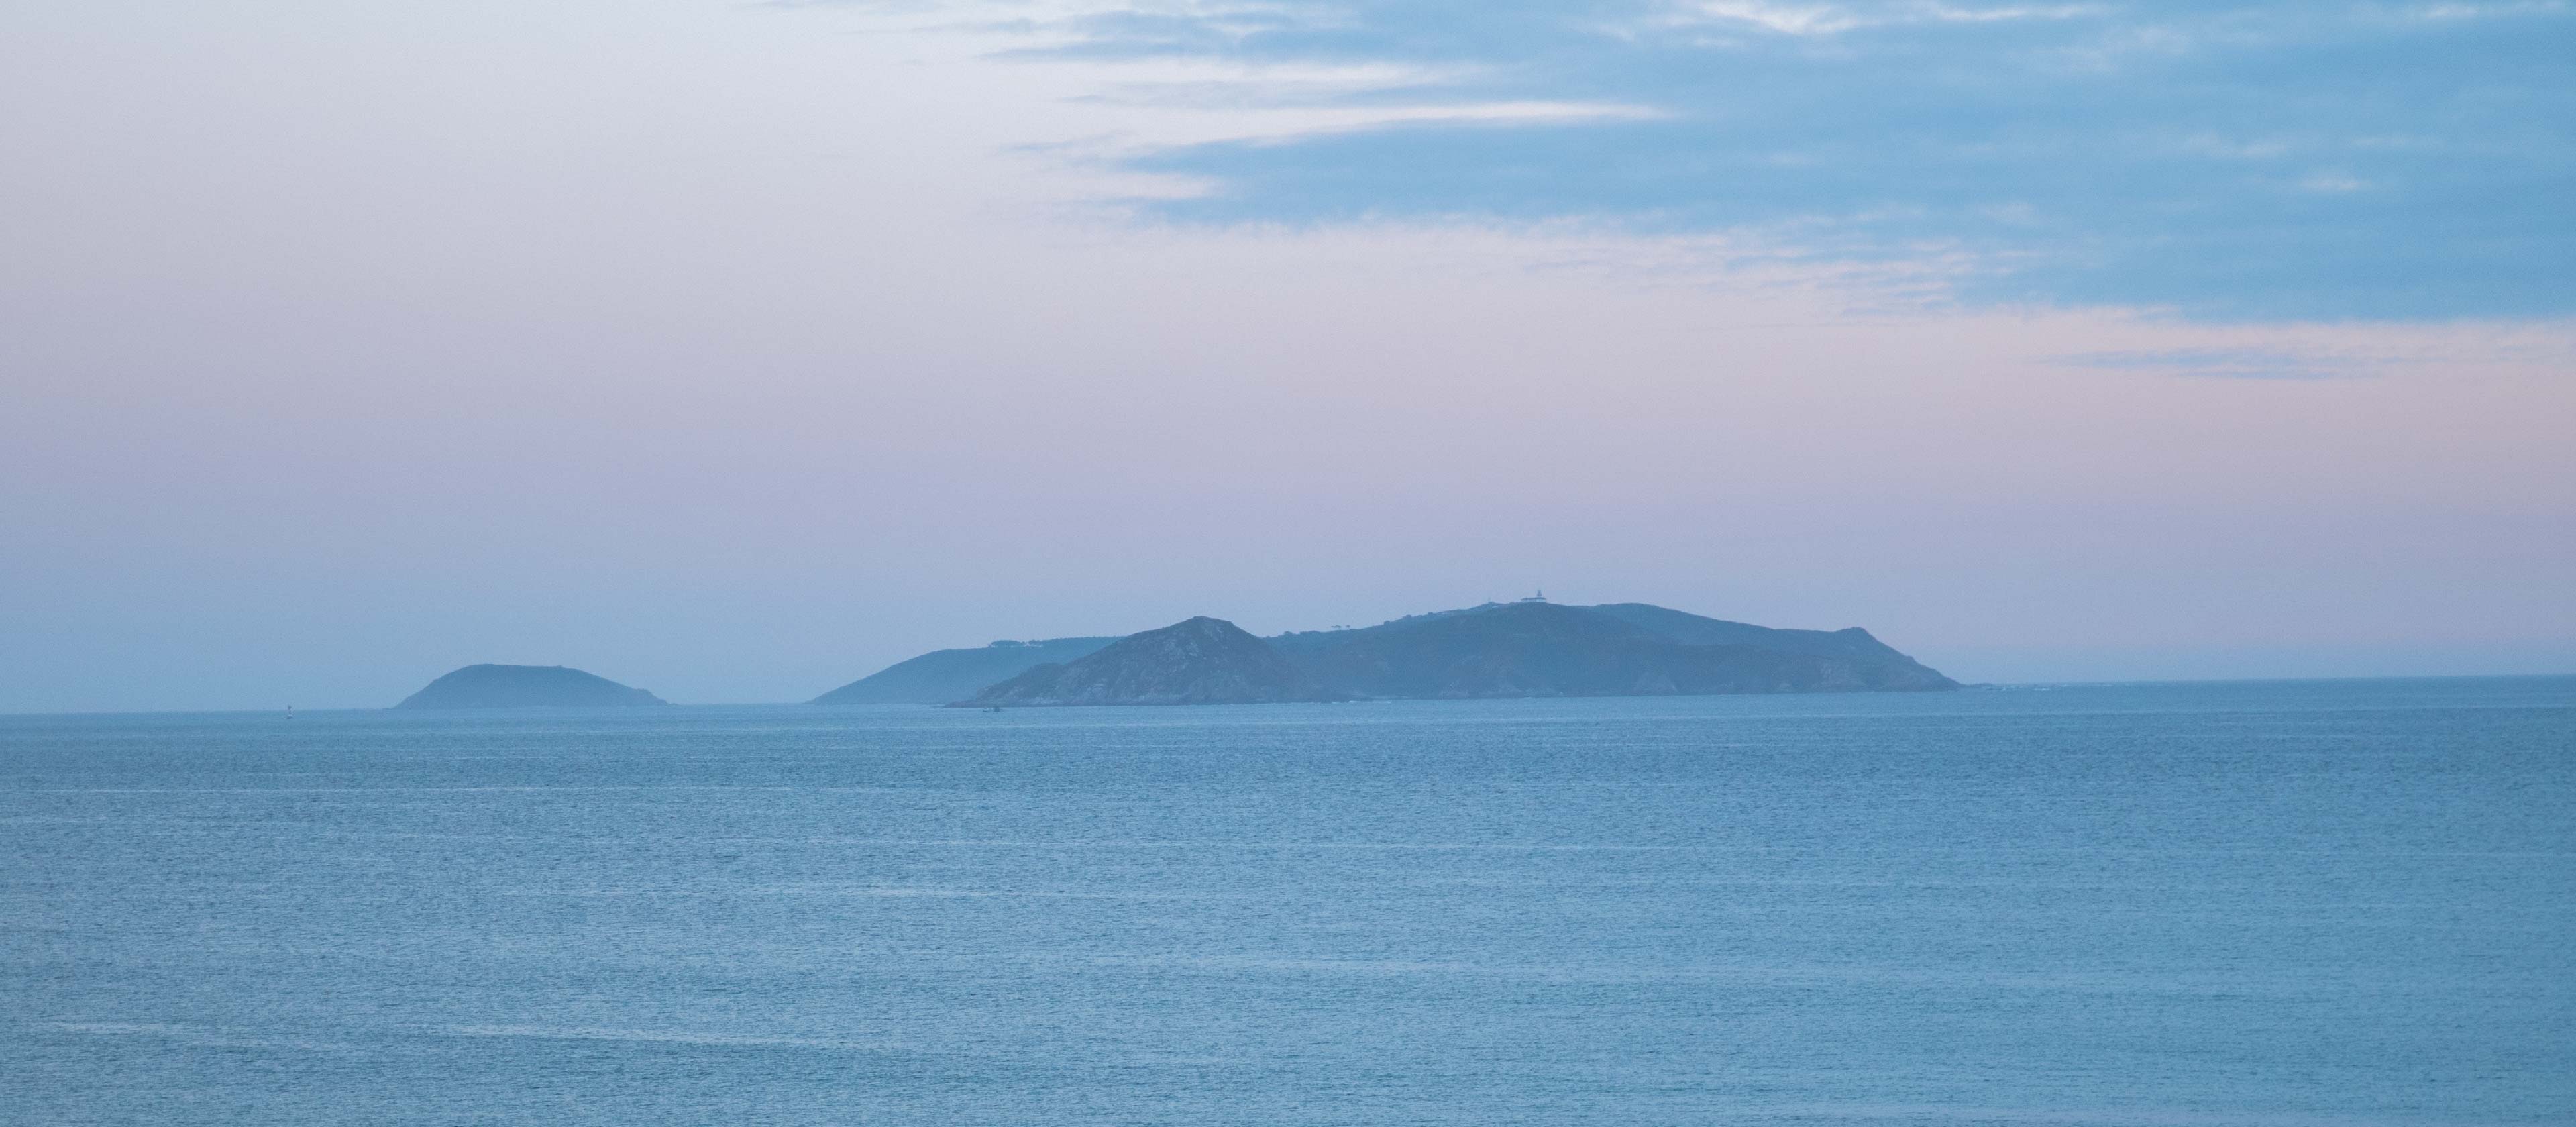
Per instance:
x=737, y=350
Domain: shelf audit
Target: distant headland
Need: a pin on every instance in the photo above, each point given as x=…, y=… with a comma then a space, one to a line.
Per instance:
x=1530, y=648
x=1199, y=661
x=526, y=686
x=945, y=675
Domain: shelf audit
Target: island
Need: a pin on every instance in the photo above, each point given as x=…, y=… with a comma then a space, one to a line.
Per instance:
x=946, y=675
x=1529, y=648
x=526, y=686
x=1197, y=661
x=1534, y=648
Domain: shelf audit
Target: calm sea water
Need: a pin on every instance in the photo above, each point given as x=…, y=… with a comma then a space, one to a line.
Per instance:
x=2329, y=903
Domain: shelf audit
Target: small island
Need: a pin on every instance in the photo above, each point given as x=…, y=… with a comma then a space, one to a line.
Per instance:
x=526, y=686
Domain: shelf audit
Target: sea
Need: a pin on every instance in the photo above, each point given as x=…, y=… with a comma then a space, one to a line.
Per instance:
x=2294, y=903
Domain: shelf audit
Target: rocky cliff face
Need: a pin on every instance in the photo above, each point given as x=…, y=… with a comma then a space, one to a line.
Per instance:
x=526, y=686
x=1201, y=661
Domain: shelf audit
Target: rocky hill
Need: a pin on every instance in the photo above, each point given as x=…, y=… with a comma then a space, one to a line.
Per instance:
x=1851, y=643
x=947, y=675
x=1542, y=649
x=1528, y=648
x=526, y=686
x=1200, y=661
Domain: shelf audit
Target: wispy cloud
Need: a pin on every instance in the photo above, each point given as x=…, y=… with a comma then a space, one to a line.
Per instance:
x=2222, y=363
x=1833, y=19
x=2510, y=10
x=2225, y=159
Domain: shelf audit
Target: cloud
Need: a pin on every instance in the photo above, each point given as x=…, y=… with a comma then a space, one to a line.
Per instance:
x=2489, y=11
x=2226, y=161
x=2223, y=363
x=1834, y=19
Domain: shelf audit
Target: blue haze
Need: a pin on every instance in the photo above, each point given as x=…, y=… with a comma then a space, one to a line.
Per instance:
x=2233, y=161
x=2348, y=903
